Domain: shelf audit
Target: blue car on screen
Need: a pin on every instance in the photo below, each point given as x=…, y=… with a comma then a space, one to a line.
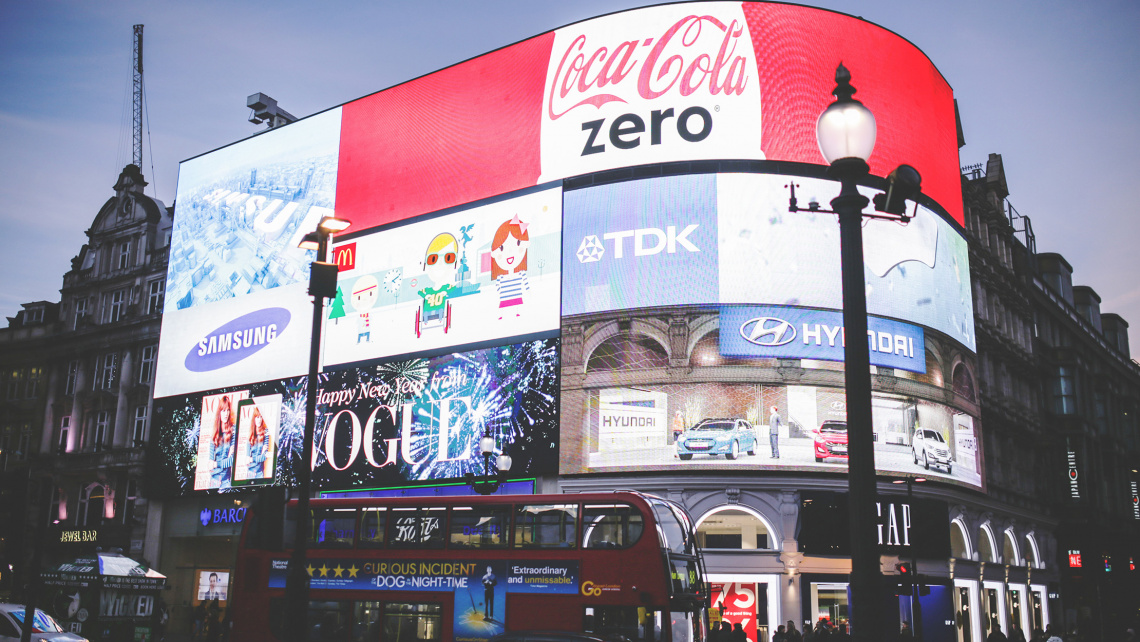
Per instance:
x=728, y=437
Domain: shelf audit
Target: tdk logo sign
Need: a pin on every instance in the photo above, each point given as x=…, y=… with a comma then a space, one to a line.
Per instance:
x=784, y=332
x=237, y=340
x=768, y=331
x=645, y=241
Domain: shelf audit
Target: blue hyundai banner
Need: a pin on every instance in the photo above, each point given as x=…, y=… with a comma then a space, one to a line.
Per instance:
x=786, y=332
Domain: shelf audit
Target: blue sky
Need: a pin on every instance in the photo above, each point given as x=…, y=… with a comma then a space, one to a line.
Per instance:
x=1050, y=85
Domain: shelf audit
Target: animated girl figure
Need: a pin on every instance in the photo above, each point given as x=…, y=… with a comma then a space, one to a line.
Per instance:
x=259, y=446
x=441, y=269
x=222, y=444
x=508, y=264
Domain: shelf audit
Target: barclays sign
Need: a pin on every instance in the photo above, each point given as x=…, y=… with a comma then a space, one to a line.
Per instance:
x=786, y=332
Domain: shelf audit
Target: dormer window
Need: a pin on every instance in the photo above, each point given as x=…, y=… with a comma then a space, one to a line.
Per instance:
x=33, y=315
x=124, y=255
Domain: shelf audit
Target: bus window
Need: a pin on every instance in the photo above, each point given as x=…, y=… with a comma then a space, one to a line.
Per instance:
x=546, y=525
x=372, y=522
x=610, y=525
x=412, y=622
x=674, y=528
x=333, y=527
x=416, y=527
x=478, y=527
x=629, y=622
x=366, y=621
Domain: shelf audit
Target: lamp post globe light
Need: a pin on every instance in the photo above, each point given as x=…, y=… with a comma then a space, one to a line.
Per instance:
x=846, y=133
x=322, y=285
x=488, y=483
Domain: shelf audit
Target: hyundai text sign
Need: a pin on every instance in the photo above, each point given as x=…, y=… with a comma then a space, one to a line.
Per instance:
x=641, y=244
x=800, y=333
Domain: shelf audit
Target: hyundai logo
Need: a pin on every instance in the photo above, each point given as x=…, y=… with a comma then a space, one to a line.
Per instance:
x=768, y=331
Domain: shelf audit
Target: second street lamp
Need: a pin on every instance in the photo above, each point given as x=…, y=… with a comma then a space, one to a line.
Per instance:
x=846, y=133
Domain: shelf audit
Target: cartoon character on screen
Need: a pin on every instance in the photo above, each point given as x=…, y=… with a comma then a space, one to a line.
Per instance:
x=364, y=294
x=260, y=445
x=222, y=444
x=508, y=265
x=441, y=269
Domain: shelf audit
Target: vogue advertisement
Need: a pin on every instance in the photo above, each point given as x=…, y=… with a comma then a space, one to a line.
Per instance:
x=388, y=424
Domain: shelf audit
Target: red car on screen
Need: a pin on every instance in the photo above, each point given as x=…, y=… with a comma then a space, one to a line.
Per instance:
x=830, y=440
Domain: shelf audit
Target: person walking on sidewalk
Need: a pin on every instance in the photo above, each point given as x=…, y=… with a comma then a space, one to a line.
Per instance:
x=774, y=432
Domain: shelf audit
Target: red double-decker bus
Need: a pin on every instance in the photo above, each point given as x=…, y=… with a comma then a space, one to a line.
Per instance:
x=468, y=568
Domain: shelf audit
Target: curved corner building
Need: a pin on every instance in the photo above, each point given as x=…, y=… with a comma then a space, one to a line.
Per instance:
x=582, y=245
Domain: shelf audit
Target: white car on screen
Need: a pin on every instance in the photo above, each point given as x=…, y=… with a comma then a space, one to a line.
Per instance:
x=44, y=627
x=929, y=447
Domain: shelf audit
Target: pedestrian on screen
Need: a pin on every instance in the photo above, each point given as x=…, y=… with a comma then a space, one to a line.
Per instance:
x=793, y=633
x=738, y=634
x=774, y=432
x=995, y=633
x=780, y=635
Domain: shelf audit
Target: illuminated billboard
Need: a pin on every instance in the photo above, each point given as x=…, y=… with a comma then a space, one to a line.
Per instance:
x=714, y=239
x=479, y=274
x=735, y=426
x=236, y=302
x=411, y=421
x=675, y=82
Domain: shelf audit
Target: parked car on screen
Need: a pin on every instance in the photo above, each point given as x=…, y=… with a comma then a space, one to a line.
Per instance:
x=728, y=437
x=44, y=627
x=830, y=441
x=929, y=447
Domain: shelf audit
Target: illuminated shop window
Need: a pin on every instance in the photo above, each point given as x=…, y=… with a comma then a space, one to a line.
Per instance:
x=1009, y=552
x=733, y=528
x=959, y=541
x=1032, y=555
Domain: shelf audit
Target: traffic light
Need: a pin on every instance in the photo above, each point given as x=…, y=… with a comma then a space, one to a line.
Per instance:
x=905, y=584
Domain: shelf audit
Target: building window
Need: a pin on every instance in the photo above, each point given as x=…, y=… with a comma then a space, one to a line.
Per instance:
x=33, y=316
x=25, y=442
x=64, y=432
x=138, y=432
x=15, y=378
x=80, y=312
x=1064, y=401
x=105, y=371
x=91, y=505
x=146, y=364
x=72, y=377
x=125, y=255
x=118, y=306
x=34, y=377
x=155, y=296
x=102, y=423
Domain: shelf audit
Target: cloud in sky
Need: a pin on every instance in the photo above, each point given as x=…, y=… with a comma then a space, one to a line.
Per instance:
x=1048, y=84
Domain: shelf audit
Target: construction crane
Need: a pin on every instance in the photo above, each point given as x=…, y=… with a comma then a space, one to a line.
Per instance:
x=136, y=106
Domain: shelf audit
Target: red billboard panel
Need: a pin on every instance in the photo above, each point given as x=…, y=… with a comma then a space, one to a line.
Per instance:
x=678, y=82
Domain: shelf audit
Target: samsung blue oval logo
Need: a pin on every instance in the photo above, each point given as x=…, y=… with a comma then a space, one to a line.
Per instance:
x=237, y=340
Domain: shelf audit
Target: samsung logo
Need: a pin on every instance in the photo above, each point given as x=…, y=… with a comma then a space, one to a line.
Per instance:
x=237, y=340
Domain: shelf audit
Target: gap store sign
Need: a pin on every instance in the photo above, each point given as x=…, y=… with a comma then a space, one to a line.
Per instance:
x=786, y=332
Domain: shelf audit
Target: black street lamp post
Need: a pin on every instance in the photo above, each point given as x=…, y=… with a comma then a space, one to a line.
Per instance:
x=846, y=135
x=322, y=285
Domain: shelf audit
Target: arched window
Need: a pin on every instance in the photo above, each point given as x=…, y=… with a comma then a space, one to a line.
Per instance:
x=1032, y=554
x=734, y=528
x=1009, y=552
x=959, y=541
x=628, y=352
x=964, y=382
x=986, y=551
x=91, y=505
